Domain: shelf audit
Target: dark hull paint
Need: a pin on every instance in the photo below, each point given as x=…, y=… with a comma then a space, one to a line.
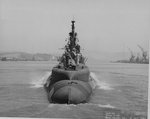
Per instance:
x=69, y=86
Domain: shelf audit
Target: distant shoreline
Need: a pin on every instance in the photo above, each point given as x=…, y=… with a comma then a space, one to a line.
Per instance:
x=22, y=56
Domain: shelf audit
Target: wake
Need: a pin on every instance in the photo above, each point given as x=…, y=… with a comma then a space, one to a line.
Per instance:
x=100, y=83
x=66, y=106
x=40, y=81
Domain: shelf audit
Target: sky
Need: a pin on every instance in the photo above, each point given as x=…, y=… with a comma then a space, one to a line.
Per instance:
x=41, y=26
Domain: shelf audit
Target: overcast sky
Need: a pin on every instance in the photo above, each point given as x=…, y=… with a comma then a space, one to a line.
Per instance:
x=102, y=25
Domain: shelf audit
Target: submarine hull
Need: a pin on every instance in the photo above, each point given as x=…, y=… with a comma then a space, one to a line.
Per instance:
x=70, y=81
x=71, y=87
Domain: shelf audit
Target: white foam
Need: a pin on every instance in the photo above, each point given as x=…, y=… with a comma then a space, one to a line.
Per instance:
x=64, y=108
x=100, y=84
x=100, y=105
x=107, y=106
x=105, y=86
x=38, y=82
x=61, y=106
x=51, y=105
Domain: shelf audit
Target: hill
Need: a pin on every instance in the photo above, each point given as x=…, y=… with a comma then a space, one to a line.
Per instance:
x=23, y=56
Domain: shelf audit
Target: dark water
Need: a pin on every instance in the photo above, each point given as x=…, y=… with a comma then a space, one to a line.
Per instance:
x=121, y=88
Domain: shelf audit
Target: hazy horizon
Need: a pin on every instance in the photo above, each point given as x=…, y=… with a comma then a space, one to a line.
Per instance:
x=41, y=26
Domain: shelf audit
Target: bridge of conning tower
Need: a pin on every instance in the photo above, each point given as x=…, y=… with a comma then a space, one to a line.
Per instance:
x=72, y=55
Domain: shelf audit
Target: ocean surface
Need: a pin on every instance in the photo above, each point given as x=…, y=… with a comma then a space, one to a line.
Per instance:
x=121, y=88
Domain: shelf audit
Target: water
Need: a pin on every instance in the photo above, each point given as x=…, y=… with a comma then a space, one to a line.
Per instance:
x=120, y=87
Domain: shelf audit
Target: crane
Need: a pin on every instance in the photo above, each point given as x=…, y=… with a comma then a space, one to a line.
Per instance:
x=132, y=55
x=144, y=53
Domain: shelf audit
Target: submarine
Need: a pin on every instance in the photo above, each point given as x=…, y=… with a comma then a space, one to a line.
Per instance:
x=70, y=81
